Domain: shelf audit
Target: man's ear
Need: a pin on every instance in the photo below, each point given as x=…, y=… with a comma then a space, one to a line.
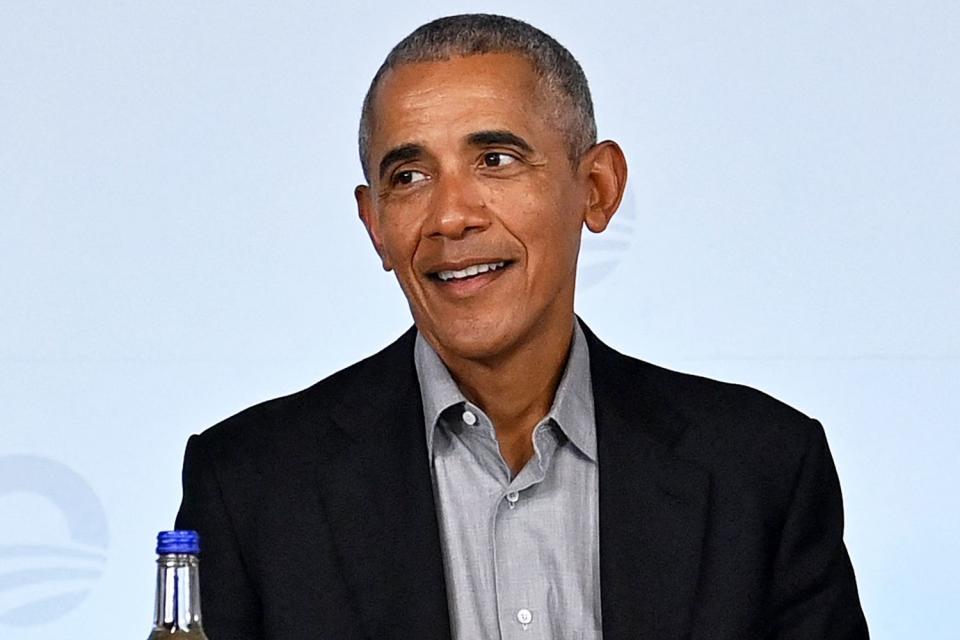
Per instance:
x=606, y=172
x=371, y=222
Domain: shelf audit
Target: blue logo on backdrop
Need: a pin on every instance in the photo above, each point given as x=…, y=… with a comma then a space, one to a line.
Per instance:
x=601, y=253
x=43, y=582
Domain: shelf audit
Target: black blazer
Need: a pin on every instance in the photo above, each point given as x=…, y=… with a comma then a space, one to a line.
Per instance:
x=720, y=512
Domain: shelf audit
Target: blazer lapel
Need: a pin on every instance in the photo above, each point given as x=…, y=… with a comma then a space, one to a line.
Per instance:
x=377, y=493
x=653, y=505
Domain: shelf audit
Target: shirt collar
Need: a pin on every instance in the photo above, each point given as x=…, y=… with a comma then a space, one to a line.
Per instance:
x=572, y=408
x=438, y=391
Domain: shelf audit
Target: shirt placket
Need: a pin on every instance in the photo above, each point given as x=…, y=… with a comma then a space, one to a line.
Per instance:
x=521, y=597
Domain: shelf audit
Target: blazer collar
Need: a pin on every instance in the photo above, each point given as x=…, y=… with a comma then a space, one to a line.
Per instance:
x=653, y=504
x=377, y=492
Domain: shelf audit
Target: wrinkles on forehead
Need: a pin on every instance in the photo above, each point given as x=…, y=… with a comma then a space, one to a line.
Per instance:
x=414, y=96
x=507, y=99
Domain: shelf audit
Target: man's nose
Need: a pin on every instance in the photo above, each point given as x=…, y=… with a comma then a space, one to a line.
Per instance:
x=457, y=208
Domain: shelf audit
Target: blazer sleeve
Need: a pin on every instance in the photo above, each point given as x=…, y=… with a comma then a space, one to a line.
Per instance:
x=814, y=590
x=229, y=602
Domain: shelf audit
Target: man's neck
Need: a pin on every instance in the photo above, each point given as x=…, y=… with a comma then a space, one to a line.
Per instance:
x=516, y=391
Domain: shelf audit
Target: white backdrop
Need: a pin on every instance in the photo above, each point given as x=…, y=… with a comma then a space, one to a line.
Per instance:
x=179, y=241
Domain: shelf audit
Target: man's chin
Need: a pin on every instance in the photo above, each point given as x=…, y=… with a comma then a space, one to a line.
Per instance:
x=470, y=340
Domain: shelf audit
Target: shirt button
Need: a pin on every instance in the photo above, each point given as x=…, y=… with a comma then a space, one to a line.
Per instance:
x=512, y=498
x=469, y=418
x=524, y=617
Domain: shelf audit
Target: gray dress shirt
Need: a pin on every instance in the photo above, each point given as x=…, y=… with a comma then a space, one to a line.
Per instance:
x=520, y=554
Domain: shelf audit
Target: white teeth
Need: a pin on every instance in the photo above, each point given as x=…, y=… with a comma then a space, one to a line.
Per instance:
x=472, y=270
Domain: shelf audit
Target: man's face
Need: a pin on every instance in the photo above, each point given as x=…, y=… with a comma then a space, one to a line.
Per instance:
x=473, y=202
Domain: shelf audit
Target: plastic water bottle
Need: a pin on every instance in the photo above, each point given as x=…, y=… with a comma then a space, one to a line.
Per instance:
x=177, y=609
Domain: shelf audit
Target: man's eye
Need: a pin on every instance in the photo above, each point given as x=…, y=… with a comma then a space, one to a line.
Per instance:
x=408, y=177
x=497, y=159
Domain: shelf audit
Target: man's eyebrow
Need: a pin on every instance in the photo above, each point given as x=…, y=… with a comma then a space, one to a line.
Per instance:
x=498, y=137
x=399, y=154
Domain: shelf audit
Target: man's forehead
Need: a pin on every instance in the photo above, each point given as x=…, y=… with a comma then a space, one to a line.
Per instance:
x=477, y=92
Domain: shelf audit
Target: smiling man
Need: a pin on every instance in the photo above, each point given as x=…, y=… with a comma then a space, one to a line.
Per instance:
x=498, y=472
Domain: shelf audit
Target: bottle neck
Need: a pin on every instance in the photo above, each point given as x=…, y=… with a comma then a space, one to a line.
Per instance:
x=178, y=593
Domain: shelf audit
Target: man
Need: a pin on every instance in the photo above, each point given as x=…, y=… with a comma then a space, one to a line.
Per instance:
x=498, y=472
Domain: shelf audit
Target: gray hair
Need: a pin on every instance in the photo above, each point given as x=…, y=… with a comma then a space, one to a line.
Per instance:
x=473, y=34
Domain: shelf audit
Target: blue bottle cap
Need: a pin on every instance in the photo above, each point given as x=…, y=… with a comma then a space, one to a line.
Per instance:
x=178, y=542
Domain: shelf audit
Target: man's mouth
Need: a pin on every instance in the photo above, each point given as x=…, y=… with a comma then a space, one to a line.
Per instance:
x=469, y=271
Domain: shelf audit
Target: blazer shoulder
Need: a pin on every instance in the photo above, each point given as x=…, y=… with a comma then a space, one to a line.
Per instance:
x=706, y=399
x=281, y=423
x=695, y=413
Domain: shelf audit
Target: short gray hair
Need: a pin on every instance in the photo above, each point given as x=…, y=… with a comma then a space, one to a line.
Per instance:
x=474, y=34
